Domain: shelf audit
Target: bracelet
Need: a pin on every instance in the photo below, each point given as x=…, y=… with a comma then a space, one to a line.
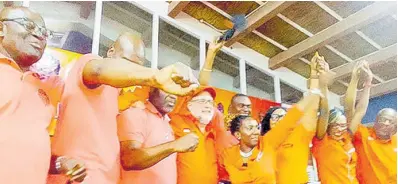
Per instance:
x=315, y=92
x=58, y=163
x=207, y=70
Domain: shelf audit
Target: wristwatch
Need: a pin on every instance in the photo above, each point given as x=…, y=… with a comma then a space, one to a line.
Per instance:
x=58, y=163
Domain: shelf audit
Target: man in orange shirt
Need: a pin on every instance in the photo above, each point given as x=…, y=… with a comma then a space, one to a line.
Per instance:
x=25, y=108
x=375, y=145
x=147, y=145
x=194, y=114
x=87, y=127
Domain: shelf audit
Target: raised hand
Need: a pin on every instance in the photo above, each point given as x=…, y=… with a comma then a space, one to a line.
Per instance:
x=369, y=73
x=176, y=79
x=187, y=143
x=214, y=47
x=356, y=71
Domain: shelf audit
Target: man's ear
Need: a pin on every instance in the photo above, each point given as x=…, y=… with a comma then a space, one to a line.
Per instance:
x=111, y=52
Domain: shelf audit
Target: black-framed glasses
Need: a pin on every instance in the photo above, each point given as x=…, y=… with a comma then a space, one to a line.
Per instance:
x=276, y=117
x=31, y=26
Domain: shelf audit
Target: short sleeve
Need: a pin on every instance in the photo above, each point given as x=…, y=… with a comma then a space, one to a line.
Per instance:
x=76, y=72
x=132, y=125
x=359, y=133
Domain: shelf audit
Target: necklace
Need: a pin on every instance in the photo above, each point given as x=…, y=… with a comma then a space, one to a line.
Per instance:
x=246, y=155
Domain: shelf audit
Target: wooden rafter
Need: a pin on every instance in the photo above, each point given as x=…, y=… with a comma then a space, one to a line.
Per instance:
x=377, y=90
x=373, y=58
x=350, y=24
x=175, y=7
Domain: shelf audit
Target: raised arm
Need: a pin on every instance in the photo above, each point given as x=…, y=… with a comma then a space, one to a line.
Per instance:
x=351, y=94
x=122, y=73
x=205, y=72
x=276, y=136
x=322, y=120
x=363, y=102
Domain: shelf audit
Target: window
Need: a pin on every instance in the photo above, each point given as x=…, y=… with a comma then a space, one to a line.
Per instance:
x=259, y=84
x=225, y=73
x=176, y=45
x=121, y=16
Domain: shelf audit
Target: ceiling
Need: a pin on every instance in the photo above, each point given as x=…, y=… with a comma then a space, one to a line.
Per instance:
x=289, y=33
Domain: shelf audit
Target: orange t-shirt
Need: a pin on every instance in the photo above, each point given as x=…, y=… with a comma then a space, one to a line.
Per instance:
x=129, y=96
x=336, y=161
x=25, y=112
x=150, y=128
x=260, y=168
x=295, y=149
x=377, y=161
x=87, y=128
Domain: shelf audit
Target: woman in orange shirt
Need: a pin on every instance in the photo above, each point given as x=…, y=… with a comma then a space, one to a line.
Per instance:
x=333, y=147
x=253, y=159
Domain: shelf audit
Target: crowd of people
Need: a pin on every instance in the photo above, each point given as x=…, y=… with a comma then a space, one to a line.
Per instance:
x=170, y=131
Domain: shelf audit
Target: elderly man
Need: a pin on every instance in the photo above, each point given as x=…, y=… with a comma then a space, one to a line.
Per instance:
x=375, y=145
x=87, y=127
x=25, y=107
x=194, y=114
x=147, y=141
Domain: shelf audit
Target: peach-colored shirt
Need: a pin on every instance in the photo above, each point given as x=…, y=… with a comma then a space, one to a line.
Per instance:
x=150, y=128
x=87, y=128
x=25, y=112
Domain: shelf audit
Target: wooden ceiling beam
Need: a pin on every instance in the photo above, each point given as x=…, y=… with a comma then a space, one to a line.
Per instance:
x=373, y=58
x=175, y=7
x=377, y=90
x=350, y=24
x=259, y=17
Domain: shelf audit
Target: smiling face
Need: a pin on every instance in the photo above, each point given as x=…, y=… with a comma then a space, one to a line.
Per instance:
x=163, y=101
x=337, y=124
x=23, y=35
x=277, y=115
x=202, y=107
x=249, y=132
x=386, y=124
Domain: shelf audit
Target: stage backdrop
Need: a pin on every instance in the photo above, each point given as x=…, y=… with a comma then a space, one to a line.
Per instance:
x=259, y=106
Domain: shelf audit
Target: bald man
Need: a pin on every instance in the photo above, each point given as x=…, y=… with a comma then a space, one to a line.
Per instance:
x=377, y=149
x=87, y=127
x=25, y=108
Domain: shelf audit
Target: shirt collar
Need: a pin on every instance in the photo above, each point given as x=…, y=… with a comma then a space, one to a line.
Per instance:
x=9, y=61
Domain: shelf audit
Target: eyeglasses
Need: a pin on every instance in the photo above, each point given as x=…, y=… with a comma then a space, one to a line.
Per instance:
x=31, y=26
x=276, y=117
x=203, y=101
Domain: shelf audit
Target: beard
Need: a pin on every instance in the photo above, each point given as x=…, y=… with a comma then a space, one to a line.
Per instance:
x=203, y=118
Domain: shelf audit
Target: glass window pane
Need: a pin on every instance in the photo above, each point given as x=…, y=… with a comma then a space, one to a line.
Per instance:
x=121, y=16
x=71, y=22
x=225, y=73
x=289, y=94
x=176, y=45
x=259, y=84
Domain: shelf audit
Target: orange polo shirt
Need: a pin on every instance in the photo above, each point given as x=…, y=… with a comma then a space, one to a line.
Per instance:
x=336, y=160
x=377, y=161
x=260, y=168
x=25, y=112
x=199, y=166
x=295, y=149
x=87, y=128
x=150, y=128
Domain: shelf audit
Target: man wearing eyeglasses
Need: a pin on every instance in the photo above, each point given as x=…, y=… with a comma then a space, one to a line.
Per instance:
x=25, y=108
x=240, y=105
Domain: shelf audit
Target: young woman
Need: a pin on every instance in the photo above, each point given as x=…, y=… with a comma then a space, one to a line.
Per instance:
x=253, y=159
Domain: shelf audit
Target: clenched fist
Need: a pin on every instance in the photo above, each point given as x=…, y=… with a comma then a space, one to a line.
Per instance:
x=187, y=143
